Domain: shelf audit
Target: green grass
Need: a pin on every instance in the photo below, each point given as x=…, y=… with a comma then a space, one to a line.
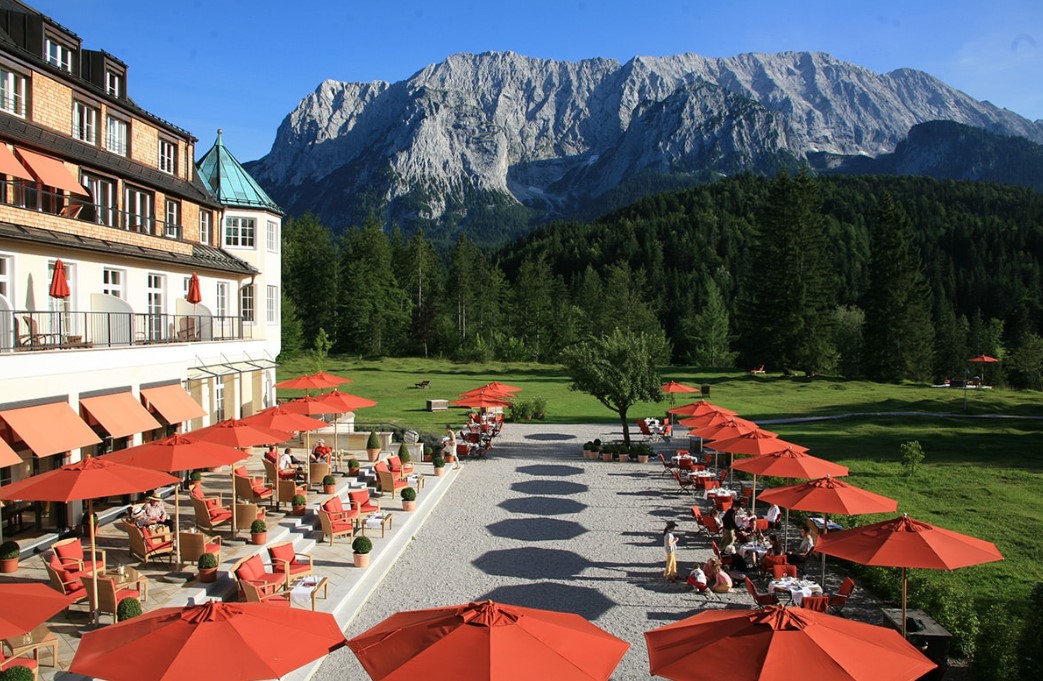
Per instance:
x=981, y=476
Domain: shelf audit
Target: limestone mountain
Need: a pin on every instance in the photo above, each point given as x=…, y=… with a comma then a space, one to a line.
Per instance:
x=492, y=143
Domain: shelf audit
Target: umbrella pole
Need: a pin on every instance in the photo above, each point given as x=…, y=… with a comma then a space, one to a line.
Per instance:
x=753, y=502
x=904, y=633
x=825, y=530
x=177, y=526
x=94, y=555
x=785, y=535
x=235, y=521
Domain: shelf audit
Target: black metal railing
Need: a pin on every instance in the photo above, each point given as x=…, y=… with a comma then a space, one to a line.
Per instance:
x=53, y=330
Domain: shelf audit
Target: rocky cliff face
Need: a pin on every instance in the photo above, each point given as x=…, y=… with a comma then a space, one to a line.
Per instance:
x=551, y=135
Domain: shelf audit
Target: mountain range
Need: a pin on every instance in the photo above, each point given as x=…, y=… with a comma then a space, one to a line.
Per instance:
x=493, y=143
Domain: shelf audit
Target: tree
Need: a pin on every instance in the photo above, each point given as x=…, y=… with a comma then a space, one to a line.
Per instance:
x=422, y=279
x=619, y=369
x=899, y=336
x=292, y=333
x=1025, y=363
x=310, y=273
x=847, y=338
x=709, y=331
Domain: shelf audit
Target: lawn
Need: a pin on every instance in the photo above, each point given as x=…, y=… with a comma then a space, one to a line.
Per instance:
x=982, y=476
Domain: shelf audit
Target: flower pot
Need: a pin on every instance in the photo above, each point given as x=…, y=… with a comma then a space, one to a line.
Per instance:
x=361, y=560
x=439, y=472
x=642, y=458
x=409, y=505
x=8, y=565
x=605, y=456
x=259, y=538
x=373, y=454
x=207, y=575
x=298, y=510
x=354, y=471
x=329, y=489
x=428, y=457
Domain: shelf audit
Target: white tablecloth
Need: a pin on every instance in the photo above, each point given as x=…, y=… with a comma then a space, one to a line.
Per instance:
x=301, y=593
x=797, y=588
x=756, y=548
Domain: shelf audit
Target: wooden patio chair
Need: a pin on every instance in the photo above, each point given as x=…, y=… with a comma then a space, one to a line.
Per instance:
x=251, y=489
x=146, y=544
x=333, y=527
x=72, y=556
x=65, y=582
x=210, y=515
x=109, y=595
x=255, y=593
x=195, y=544
x=287, y=561
x=387, y=479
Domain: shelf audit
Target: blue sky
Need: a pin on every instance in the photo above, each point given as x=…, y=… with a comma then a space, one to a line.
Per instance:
x=243, y=65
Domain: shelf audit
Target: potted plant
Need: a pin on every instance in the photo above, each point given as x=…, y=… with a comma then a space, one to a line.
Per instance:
x=587, y=446
x=408, y=499
x=329, y=484
x=643, y=451
x=429, y=452
x=403, y=453
x=127, y=609
x=607, y=451
x=9, y=552
x=17, y=673
x=439, y=463
x=373, y=446
x=258, y=533
x=361, y=548
x=207, y=568
x=299, y=502
x=353, y=466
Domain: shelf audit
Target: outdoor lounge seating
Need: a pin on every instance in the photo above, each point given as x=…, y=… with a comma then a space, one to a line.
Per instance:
x=286, y=561
x=252, y=569
x=838, y=600
x=27, y=662
x=361, y=502
x=335, y=526
x=761, y=598
x=64, y=581
x=780, y=570
x=195, y=544
x=146, y=543
x=257, y=593
x=251, y=489
x=317, y=471
x=210, y=515
x=245, y=514
x=387, y=479
x=286, y=490
x=109, y=595
x=401, y=470
x=683, y=483
x=72, y=556
x=273, y=472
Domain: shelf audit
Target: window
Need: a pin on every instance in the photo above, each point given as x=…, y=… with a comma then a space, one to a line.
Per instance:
x=137, y=207
x=168, y=156
x=219, y=399
x=273, y=236
x=154, y=299
x=58, y=54
x=116, y=135
x=206, y=226
x=272, y=302
x=5, y=277
x=246, y=303
x=172, y=228
x=112, y=282
x=222, y=299
x=12, y=92
x=114, y=83
x=239, y=232
x=103, y=192
x=84, y=122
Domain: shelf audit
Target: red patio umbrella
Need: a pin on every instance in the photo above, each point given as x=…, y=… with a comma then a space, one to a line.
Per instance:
x=756, y=443
x=983, y=359
x=194, y=295
x=239, y=433
x=700, y=408
x=59, y=284
x=502, y=387
x=88, y=480
x=27, y=605
x=829, y=496
x=673, y=387
x=907, y=543
x=486, y=391
x=487, y=641
x=317, y=381
x=780, y=643
x=228, y=641
x=346, y=401
x=282, y=419
x=480, y=402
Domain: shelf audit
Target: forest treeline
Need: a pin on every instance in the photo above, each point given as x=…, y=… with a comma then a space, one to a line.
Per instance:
x=889, y=278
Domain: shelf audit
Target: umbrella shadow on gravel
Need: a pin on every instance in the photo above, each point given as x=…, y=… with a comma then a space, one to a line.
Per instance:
x=532, y=563
x=550, y=470
x=556, y=487
x=542, y=506
x=550, y=437
x=586, y=602
x=537, y=529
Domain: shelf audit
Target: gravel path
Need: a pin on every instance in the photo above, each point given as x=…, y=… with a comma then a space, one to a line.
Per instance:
x=537, y=525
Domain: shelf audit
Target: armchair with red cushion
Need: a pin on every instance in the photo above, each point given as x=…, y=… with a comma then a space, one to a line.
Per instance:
x=27, y=662
x=338, y=522
x=72, y=557
x=388, y=481
x=249, y=488
x=65, y=581
x=401, y=470
x=287, y=561
x=253, y=570
x=362, y=503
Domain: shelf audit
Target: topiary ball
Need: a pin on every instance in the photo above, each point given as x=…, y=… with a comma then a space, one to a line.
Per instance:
x=18, y=673
x=408, y=494
x=362, y=545
x=128, y=608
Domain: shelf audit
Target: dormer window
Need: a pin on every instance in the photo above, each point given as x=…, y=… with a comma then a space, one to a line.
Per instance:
x=113, y=83
x=58, y=54
x=168, y=156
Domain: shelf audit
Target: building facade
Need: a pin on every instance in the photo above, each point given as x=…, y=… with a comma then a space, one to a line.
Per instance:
x=139, y=292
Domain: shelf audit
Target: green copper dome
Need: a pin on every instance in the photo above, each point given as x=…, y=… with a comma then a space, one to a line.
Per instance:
x=229, y=182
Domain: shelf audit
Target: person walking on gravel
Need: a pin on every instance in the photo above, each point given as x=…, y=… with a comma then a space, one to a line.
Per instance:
x=670, y=544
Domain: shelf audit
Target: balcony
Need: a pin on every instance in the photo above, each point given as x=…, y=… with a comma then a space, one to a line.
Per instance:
x=38, y=330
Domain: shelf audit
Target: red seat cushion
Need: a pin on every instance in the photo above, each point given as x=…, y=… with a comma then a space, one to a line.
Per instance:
x=280, y=553
x=27, y=662
x=211, y=503
x=333, y=505
x=338, y=526
x=251, y=569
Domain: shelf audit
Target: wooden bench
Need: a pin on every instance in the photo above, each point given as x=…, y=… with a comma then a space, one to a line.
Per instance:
x=422, y=384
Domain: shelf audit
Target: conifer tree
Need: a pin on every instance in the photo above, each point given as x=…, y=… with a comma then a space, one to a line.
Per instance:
x=710, y=337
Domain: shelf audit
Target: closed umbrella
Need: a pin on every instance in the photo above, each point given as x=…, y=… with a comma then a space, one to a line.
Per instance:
x=194, y=296
x=59, y=289
x=227, y=641
x=775, y=643
x=480, y=641
x=27, y=605
x=907, y=543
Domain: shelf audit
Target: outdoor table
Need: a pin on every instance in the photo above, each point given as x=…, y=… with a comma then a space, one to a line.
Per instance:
x=127, y=576
x=701, y=474
x=306, y=588
x=383, y=520
x=416, y=481
x=796, y=588
x=712, y=493
x=756, y=548
x=40, y=638
x=933, y=639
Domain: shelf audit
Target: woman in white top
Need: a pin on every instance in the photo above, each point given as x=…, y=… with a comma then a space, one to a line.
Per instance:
x=670, y=544
x=773, y=516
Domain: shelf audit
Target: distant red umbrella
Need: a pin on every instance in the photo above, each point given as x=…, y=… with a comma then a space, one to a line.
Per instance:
x=708, y=419
x=480, y=402
x=317, y=381
x=730, y=428
x=312, y=406
x=699, y=408
x=775, y=642
x=674, y=387
x=28, y=604
x=756, y=443
x=59, y=284
x=502, y=387
x=194, y=295
x=487, y=641
x=983, y=359
x=791, y=462
x=346, y=401
x=228, y=641
x=486, y=391
x=907, y=543
x=282, y=419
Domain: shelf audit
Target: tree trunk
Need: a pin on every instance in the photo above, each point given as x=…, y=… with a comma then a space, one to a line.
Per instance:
x=626, y=429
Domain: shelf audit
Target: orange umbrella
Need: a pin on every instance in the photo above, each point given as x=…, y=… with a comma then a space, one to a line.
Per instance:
x=781, y=643
x=346, y=402
x=239, y=433
x=700, y=408
x=733, y=427
x=194, y=295
x=502, y=387
x=674, y=387
x=486, y=391
x=59, y=284
x=228, y=641
x=980, y=359
x=487, y=641
x=316, y=381
x=480, y=402
x=312, y=406
x=279, y=418
x=907, y=543
x=28, y=604
x=757, y=443
x=828, y=495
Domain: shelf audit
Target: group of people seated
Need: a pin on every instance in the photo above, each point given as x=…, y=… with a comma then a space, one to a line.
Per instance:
x=152, y=515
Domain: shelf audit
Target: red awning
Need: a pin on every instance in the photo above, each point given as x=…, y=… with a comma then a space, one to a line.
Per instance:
x=172, y=403
x=7, y=455
x=9, y=165
x=119, y=414
x=49, y=428
x=51, y=172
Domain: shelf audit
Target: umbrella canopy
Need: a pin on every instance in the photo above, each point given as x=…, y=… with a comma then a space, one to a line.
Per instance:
x=346, y=402
x=790, y=463
x=756, y=442
x=279, y=418
x=907, y=543
x=177, y=453
x=229, y=641
x=88, y=479
x=829, y=495
x=675, y=387
x=700, y=408
x=59, y=284
x=502, y=387
x=980, y=359
x=312, y=406
x=316, y=381
x=28, y=604
x=480, y=402
x=486, y=391
x=781, y=643
x=733, y=427
x=715, y=419
x=240, y=433
x=194, y=295
x=487, y=641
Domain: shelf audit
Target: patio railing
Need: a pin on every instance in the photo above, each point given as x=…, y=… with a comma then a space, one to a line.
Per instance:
x=25, y=330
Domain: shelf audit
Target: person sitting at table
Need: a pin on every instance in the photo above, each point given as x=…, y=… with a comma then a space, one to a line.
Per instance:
x=774, y=516
x=720, y=581
x=738, y=564
x=730, y=520
x=155, y=514
x=272, y=454
x=322, y=452
x=807, y=545
x=288, y=462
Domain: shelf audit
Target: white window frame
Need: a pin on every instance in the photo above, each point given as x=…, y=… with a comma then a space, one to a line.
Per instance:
x=117, y=135
x=55, y=305
x=221, y=308
x=155, y=303
x=6, y=277
x=206, y=226
x=57, y=53
x=103, y=192
x=219, y=399
x=113, y=83
x=167, y=156
x=240, y=232
x=172, y=224
x=12, y=92
x=272, y=236
x=272, y=302
x=113, y=282
x=248, y=304
x=138, y=209
x=85, y=122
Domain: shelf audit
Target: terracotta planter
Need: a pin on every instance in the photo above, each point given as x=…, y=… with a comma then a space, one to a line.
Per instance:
x=361, y=560
x=8, y=565
x=409, y=505
x=329, y=489
x=428, y=457
x=207, y=575
x=642, y=458
x=353, y=471
x=259, y=538
x=298, y=510
x=373, y=454
x=605, y=456
x=450, y=458
x=439, y=472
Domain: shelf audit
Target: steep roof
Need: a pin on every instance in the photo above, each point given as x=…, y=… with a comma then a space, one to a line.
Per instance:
x=229, y=182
